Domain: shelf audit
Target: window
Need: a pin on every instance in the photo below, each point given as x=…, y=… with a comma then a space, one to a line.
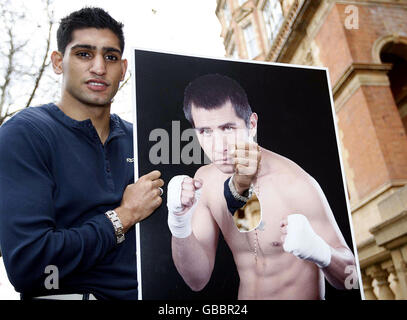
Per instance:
x=251, y=43
x=273, y=17
x=233, y=53
x=226, y=13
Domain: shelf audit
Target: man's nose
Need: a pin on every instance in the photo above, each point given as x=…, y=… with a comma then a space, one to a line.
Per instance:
x=98, y=65
x=220, y=143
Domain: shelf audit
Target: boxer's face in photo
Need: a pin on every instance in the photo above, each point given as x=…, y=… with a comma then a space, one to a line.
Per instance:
x=218, y=129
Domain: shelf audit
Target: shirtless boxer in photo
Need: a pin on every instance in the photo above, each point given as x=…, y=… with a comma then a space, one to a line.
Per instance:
x=298, y=241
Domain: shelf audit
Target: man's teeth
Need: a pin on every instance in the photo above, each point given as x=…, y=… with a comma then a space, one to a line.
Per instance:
x=97, y=84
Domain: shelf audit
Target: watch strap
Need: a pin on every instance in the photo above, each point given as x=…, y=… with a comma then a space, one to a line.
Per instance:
x=117, y=225
x=246, y=195
x=233, y=202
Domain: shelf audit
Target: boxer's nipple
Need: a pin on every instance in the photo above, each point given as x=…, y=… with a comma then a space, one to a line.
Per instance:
x=276, y=244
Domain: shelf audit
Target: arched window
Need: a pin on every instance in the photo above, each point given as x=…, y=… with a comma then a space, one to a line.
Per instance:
x=396, y=54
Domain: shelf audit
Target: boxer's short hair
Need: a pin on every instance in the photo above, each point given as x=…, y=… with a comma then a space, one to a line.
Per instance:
x=212, y=91
x=88, y=17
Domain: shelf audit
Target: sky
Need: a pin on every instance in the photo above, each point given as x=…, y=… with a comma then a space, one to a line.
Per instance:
x=178, y=26
x=188, y=26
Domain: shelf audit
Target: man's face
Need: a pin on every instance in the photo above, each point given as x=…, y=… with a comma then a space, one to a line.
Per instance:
x=218, y=129
x=92, y=66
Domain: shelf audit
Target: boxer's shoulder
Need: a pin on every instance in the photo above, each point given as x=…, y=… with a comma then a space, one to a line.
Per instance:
x=281, y=169
x=294, y=183
x=202, y=172
x=213, y=180
x=209, y=171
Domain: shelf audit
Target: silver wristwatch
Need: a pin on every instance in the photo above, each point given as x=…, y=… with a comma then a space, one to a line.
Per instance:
x=245, y=197
x=117, y=225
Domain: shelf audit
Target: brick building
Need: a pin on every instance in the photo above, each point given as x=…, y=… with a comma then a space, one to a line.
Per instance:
x=364, y=46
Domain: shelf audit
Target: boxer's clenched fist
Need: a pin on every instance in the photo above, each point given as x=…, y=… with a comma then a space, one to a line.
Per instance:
x=189, y=192
x=182, y=197
x=299, y=238
x=246, y=157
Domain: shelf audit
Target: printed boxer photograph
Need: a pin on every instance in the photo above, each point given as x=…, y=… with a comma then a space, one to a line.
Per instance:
x=263, y=215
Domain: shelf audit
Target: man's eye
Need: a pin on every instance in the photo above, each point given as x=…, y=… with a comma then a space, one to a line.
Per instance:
x=205, y=132
x=228, y=129
x=83, y=54
x=111, y=58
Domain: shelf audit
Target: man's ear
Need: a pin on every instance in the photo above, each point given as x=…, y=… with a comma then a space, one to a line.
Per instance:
x=124, y=68
x=253, y=124
x=56, y=58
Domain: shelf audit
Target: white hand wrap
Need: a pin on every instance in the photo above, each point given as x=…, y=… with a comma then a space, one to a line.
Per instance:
x=304, y=243
x=180, y=225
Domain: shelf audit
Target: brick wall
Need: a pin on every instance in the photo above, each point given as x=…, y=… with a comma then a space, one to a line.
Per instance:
x=373, y=132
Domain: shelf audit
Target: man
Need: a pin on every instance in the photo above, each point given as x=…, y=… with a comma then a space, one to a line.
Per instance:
x=297, y=242
x=68, y=202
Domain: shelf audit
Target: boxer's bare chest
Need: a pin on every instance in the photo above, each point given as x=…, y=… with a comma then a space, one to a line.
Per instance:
x=265, y=240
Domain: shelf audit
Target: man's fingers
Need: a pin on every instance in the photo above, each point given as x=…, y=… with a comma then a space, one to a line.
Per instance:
x=187, y=201
x=247, y=146
x=158, y=201
x=198, y=183
x=188, y=186
x=245, y=162
x=188, y=193
x=241, y=161
x=192, y=184
x=153, y=175
x=243, y=146
x=158, y=183
x=252, y=154
x=187, y=180
x=245, y=169
x=157, y=192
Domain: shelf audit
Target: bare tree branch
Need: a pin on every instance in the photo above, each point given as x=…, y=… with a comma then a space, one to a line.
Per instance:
x=9, y=115
x=125, y=82
x=15, y=68
x=42, y=67
x=9, y=72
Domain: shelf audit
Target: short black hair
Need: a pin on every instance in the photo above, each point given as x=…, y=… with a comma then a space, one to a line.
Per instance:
x=88, y=17
x=211, y=91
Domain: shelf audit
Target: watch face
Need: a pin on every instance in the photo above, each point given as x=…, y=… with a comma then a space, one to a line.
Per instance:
x=120, y=239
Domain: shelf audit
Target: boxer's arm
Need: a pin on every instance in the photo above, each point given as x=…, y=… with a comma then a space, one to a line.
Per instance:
x=341, y=256
x=194, y=255
x=328, y=237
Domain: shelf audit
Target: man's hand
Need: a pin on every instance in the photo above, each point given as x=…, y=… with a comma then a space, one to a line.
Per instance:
x=140, y=199
x=189, y=194
x=299, y=238
x=183, y=195
x=246, y=158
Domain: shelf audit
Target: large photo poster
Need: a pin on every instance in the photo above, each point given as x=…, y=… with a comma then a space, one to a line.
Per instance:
x=254, y=202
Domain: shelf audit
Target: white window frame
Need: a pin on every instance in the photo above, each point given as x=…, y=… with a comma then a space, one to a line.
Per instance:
x=251, y=40
x=273, y=18
x=227, y=13
x=233, y=52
